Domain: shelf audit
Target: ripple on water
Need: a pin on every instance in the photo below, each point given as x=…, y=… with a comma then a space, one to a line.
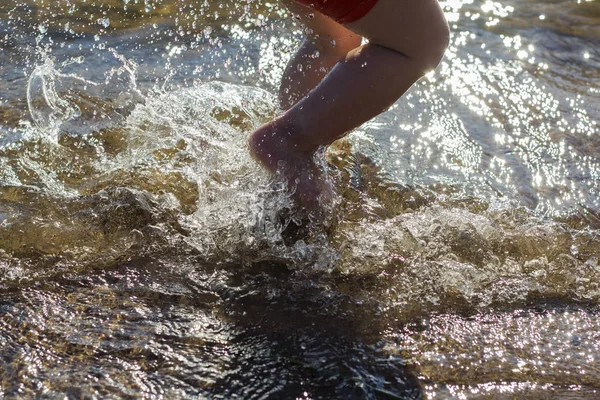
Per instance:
x=539, y=353
x=142, y=251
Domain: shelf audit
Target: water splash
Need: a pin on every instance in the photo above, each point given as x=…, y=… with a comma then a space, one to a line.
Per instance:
x=140, y=245
x=47, y=108
x=60, y=102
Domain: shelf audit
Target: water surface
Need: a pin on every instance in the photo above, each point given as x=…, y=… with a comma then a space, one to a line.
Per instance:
x=144, y=254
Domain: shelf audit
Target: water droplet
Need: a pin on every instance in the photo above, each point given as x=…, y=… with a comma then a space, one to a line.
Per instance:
x=574, y=250
x=105, y=22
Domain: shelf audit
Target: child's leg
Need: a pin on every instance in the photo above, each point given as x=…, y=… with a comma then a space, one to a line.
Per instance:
x=407, y=39
x=325, y=44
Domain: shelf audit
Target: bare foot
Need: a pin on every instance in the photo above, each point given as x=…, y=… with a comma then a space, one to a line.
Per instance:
x=273, y=146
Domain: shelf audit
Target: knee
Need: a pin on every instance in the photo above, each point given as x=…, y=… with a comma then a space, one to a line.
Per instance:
x=424, y=43
x=438, y=47
x=427, y=52
x=424, y=53
x=431, y=53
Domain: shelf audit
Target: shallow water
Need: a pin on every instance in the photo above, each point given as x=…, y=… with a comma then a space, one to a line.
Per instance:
x=144, y=254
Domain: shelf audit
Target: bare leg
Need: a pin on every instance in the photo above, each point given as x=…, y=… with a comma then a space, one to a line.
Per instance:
x=408, y=38
x=325, y=44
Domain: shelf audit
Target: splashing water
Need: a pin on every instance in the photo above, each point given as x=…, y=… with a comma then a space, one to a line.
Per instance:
x=144, y=253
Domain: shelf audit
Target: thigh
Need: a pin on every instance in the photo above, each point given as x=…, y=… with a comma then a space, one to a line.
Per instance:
x=342, y=11
x=415, y=28
x=325, y=33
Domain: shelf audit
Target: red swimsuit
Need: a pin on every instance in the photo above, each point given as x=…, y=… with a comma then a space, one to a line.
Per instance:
x=343, y=11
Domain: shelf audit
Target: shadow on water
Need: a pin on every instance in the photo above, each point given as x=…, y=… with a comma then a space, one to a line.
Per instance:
x=258, y=332
x=324, y=342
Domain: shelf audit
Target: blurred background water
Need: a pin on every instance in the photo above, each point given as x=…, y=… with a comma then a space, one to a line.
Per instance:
x=143, y=254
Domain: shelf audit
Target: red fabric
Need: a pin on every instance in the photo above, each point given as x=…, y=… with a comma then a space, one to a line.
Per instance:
x=343, y=11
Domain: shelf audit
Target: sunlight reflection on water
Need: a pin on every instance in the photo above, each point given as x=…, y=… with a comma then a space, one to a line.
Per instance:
x=142, y=251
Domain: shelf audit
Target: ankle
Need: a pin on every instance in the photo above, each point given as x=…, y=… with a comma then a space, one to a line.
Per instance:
x=294, y=134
